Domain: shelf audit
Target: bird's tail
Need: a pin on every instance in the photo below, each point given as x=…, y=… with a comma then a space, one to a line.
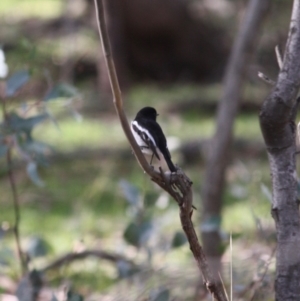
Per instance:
x=170, y=164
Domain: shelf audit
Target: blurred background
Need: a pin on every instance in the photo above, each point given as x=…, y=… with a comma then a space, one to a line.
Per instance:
x=91, y=222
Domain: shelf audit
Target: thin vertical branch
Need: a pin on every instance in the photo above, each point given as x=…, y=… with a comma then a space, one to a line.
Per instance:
x=16, y=210
x=15, y=197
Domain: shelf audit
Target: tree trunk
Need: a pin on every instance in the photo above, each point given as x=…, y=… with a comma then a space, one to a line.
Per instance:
x=277, y=119
x=213, y=185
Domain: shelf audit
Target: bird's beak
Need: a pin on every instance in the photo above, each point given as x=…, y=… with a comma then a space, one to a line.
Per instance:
x=157, y=114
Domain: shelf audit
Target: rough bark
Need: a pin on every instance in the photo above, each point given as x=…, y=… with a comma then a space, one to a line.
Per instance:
x=277, y=118
x=213, y=185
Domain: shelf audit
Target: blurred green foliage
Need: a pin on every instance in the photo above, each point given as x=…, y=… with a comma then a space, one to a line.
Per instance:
x=30, y=8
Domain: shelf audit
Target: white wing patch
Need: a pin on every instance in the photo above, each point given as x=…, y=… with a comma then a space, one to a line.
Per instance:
x=140, y=141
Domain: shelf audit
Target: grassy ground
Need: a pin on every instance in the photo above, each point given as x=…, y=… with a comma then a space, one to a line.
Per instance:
x=30, y=8
x=82, y=203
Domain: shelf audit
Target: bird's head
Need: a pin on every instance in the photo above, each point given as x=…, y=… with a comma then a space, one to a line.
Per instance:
x=147, y=112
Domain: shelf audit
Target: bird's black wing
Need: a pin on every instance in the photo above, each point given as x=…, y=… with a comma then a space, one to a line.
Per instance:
x=161, y=143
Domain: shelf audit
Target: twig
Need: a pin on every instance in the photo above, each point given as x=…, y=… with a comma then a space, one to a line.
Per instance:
x=16, y=205
x=16, y=210
x=69, y=257
x=224, y=288
x=259, y=282
x=265, y=78
x=168, y=181
x=279, y=57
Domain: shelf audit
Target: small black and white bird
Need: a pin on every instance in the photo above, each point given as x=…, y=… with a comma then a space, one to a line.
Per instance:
x=151, y=139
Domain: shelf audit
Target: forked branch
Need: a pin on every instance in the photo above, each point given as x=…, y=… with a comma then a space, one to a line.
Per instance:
x=178, y=185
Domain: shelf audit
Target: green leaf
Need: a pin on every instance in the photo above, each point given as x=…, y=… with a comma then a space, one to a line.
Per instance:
x=61, y=91
x=71, y=296
x=32, y=172
x=179, y=239
x=19, y=124
x=161, y=295
x=138, y=234
x=37, y=247
x=16, y=81
x=37, y=150
x=132, y=234
x=150, y=199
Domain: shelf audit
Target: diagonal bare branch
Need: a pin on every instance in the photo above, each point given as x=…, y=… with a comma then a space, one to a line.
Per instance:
x=178, y=185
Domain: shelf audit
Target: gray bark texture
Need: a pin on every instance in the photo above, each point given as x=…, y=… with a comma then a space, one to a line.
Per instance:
x=277, y=120
x=219, y=152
